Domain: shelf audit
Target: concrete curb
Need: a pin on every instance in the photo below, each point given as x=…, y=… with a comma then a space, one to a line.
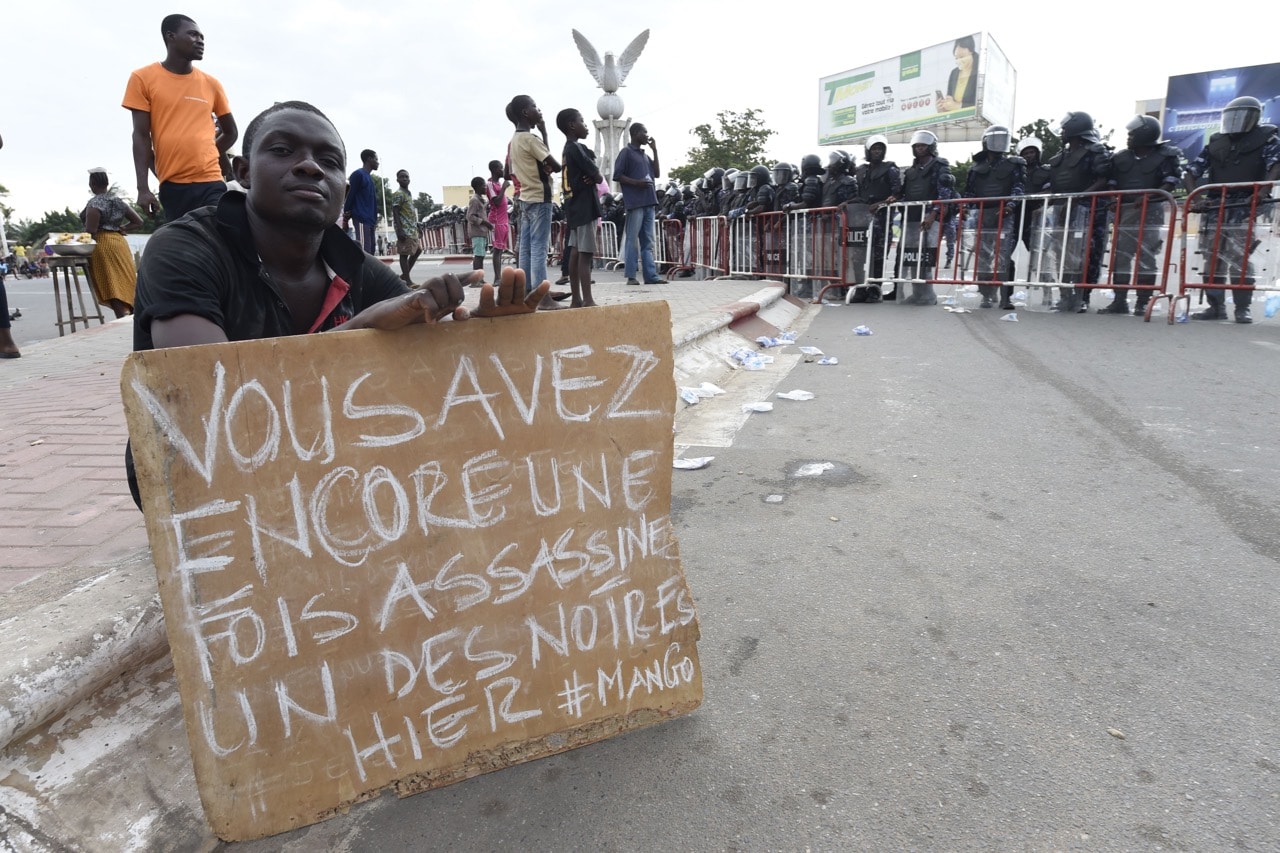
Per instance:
x=688, y=333
x=54, y=655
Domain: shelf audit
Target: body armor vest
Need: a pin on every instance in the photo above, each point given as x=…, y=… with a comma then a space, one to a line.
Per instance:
x=838, y=189
x=1142, y=173
x=1071, y=171
x=875, y=183
x=994, y=178
x=1233, y=161
x=921, y=184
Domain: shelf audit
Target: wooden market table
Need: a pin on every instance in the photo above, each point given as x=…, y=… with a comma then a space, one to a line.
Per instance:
x=66, y=271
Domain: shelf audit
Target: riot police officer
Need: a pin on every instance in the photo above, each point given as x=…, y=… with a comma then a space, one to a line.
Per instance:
x=925, y=179
x=769, y=235
x=840, y=186
x=785, y=189
x=1037, y=171
x=709, y=192
x=1082, y=166
x=995, y=175
x=761, y=197
x=838, y=189
x=688, y=202
x=810, y=181
x=671, y=199
x=729, y=190
x=1146, y=163
x=811, y=172
x=1243, y=151
x=879, y=185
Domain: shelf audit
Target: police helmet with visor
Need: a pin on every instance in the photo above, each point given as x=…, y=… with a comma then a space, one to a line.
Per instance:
x=997, y=138
x=925, y=137
x=1144, y=131
x=1241, y=115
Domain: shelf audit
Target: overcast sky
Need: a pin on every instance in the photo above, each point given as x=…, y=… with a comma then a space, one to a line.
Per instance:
x=425, y=83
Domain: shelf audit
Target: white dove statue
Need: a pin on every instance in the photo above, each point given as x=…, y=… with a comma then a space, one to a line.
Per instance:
x=611, y=71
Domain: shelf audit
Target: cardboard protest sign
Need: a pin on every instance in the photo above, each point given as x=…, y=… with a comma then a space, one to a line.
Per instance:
x=403, y=559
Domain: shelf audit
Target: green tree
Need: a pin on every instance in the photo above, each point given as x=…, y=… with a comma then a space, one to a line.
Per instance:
x=738, y=143
x=425, y=205
x=29, y=232
x=6, y=209
x=961, y=171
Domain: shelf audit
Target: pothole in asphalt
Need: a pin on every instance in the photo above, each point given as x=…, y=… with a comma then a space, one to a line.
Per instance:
x=823, y=472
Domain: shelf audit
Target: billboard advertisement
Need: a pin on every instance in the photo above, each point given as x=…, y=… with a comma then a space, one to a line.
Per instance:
x=956, y=89
x=1193, y=102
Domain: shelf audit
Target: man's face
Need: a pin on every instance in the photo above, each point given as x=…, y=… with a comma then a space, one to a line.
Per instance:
x=187, y=41
x=875, y=153
x=639, y=134
x=1031, y=155
x=402, y=178
x=920, y=150
x=578, y=127
x=372, y=163
x=295, y=174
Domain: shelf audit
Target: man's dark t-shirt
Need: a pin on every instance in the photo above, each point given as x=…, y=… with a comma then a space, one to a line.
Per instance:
x=205, y=264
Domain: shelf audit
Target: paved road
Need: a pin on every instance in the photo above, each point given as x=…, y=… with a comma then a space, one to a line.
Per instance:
x=34, y=296
x=1030, y=605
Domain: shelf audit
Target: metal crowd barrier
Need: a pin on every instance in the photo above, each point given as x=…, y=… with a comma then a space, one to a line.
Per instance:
x=1229, y=241
x=708, y=238
x=556, y=249
x=448, y=239
x=1085, y=241
x=816, y=251
x=669, y=246
x=434, y=241
x=607, y=242
x=800, y=245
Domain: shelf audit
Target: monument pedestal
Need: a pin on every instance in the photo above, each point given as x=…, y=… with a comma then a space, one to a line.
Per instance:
x=610, y=133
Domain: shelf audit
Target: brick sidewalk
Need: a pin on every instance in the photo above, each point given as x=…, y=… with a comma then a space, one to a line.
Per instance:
x=63, y=496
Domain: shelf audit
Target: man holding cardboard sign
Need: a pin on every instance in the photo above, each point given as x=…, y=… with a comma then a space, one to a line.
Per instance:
x=271, y=262
x=401, y=558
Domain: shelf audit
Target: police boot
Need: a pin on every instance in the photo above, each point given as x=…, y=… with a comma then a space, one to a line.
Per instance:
x=1144, y=296
x=909, y=294
x=873, y=293
x=1068, y=300
x=1006, y=297
x=988, y=292
x=1242, y=300
x=924, y=294
x=1119, y=305
x=1217, y=309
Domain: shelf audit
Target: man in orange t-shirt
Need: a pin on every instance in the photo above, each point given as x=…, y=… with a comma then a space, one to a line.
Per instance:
x=175, y=134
